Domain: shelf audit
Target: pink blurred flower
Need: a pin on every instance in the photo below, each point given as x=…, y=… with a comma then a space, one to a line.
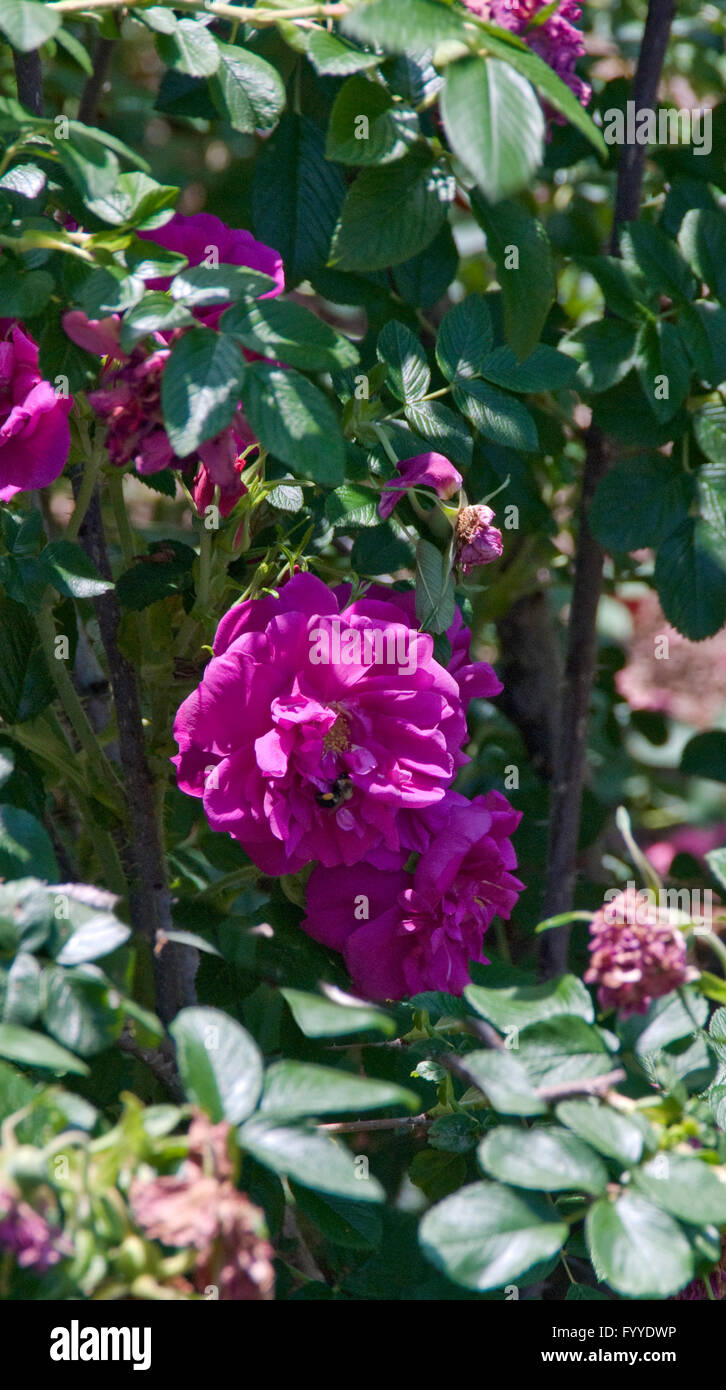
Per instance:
x=667, y=673
x=637, y=953
x=201, y=1207
x=555, y=40
x=27, y=1235
x=401, y=934
x=477, y=541
x=34, y=432
x=695, y=840
x=423, y=470
x=318, y=723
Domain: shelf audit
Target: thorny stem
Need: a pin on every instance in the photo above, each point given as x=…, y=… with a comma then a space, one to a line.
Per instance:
x=236, y=13
x=29, y=79
x=570, y=761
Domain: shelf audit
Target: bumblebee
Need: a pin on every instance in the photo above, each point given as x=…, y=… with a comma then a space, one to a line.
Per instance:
x=341, y=790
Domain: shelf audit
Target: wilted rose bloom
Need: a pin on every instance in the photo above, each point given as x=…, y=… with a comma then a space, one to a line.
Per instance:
x=637, y=954
x=201, y=1207
x=555, y=40
x=402, y=933
x=27, y=1235
x=34, y=433
x=423, y=470
x=205, y=238
x=319, y=722
x=477, y=541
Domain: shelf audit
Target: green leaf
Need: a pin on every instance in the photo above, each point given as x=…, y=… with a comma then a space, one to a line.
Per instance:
x=155, y=313
x=295, y=421
x=408, y=371
x=200, y=388
x=544, y=370
x=487, y=1235
x=664, y=368
x=166, y=570
x=77, y=1010
x=520, y=1005
x=582, y=1293
x=624, y=290
x=709, y=427
x=352, y=505
x=203, y=285
x=415, y=25
x=390, y=214
x=607, y=1131
x=690, y=576
x=668, y=1019
x=23, y=295
x=219, y=1063
x=26, y=24
x=513, y=50
x=382, y=549
x=702, y=239
x=98, y=936
x=716, y=860
x=25, y=846
x=494, y=124
x=638, y=1249
x=190, y=48
x=294, y=1089
x=649, y=249
x=545, y=1158
x=296, y=197
x=288, y=332
x=705, y=756
x=354, y=1225
x=519, y=246
x=685, y=1187
x=499, y=417
x=25, y=684
x=91, y=166
x=505, y=1082
x=465, y=338
x=70, y=571
x=365, y=126
x=247, y=91
x=32, y=1049
x=435, y=600
x=331, y=56
x=22, y=990
x=640, y=502
x=136, y=198
x=563, y=1049
x=319, y=1017
x=605, y=351
x=442, y=428
x=308, y=1157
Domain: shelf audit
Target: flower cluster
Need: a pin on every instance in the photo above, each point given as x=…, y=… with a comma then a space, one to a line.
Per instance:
x=637, y=954
x=34, y=431
x=201, y=1207
x=128, y=398
x=324, y=729
x=26, y=1234
x=555, y=39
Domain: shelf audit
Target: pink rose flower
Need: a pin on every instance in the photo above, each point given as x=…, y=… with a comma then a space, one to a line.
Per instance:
x=34, y=432
x=27, y=1235
x=201, y=234
x=318, y=723
x=636, y=954
x=401, y=933
x=423, y=470
x=477, y=541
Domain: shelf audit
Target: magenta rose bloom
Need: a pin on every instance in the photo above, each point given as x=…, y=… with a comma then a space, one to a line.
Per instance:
x=34, y=433
x=317, y=725
x=555, y=39
x=423, y=470
x=403, y=933
x=201, y=234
